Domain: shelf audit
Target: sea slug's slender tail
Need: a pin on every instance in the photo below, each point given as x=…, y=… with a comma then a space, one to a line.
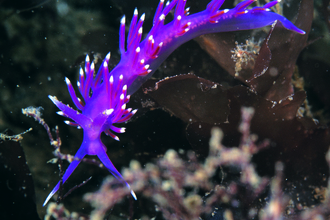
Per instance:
x=102, y=155
x=78, y=157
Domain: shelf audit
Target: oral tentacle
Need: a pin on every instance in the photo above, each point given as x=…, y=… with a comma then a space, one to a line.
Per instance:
x=66, y=111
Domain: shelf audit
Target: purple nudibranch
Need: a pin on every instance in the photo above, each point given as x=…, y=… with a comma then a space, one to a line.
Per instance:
x=106, y=94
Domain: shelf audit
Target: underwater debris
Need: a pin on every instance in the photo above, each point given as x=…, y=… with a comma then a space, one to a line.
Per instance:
x=16, y=137
x=35, y=112
x=58, y=211
x=184, y=189
x=189, y=189
x=244, y=55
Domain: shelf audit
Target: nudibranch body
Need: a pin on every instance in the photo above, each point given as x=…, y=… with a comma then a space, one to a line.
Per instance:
x=105, y=95
x=141, y=59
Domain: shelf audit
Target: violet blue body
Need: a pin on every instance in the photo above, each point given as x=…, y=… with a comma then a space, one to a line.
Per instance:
x=105, y=95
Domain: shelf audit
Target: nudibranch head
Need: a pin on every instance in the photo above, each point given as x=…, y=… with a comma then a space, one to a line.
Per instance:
x=103, y=102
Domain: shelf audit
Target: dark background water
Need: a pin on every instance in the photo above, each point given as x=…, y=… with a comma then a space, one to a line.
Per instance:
x=43, y=42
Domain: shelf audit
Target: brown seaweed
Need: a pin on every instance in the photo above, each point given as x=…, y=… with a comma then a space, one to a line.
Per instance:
x=275, y=64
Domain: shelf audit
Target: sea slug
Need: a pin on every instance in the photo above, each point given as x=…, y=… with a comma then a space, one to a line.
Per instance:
x=104, y=96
